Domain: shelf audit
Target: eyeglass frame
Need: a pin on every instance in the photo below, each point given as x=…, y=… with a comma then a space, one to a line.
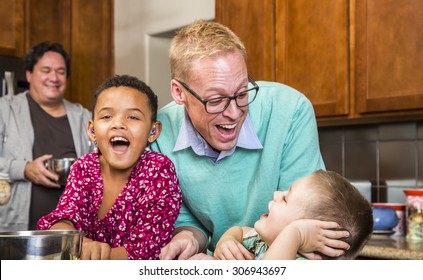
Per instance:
x=204, y=101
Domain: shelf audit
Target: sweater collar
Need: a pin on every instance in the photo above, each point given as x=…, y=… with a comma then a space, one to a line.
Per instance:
x=189, y=137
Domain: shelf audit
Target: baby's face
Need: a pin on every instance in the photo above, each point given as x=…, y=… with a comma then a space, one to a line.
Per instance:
x=285, y=208
x=122, y=125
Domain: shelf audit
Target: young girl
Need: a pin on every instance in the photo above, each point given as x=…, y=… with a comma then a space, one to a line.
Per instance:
x=123, y=197
x=296, y=223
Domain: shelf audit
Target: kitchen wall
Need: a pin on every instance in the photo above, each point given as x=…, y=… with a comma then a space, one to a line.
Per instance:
x=389, y=155
x=143, y=30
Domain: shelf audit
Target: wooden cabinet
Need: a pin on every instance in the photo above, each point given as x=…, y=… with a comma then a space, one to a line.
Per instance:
x=12, y=27
x=84, y=28
x=356, y=60
x=388, y=55
x=312, y=52
x=254, y=22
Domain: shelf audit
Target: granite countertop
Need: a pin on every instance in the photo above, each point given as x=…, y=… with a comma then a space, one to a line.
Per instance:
x=392, y=248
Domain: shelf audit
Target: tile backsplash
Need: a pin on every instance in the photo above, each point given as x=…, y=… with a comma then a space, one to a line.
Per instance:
x=390, y=156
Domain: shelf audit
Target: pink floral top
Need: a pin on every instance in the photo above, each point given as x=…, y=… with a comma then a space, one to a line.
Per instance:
x=143, y=215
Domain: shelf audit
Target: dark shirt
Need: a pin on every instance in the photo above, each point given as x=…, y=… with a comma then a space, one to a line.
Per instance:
x=51, y=136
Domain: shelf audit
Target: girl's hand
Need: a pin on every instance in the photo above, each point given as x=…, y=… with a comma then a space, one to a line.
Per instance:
x=94, y=250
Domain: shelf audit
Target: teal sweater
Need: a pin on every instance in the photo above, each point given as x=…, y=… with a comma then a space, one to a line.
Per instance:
x=237, y=189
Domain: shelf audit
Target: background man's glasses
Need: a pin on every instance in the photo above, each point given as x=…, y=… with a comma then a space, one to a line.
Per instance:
x=219, y=104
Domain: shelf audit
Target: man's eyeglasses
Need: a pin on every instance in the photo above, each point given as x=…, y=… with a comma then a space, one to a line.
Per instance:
x=219, y=104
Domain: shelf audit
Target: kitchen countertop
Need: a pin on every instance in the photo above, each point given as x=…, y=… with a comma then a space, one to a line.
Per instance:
x=392, y=248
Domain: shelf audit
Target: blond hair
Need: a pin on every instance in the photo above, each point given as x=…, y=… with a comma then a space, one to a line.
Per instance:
x=199, y=40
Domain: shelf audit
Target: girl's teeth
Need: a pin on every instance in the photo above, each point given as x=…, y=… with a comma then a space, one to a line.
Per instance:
x=119, y=139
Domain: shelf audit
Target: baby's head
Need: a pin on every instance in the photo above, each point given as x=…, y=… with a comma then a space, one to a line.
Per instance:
x=322, y=195
x=337, y=200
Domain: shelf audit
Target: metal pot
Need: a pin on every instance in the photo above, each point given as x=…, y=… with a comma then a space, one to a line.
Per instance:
x=41, y=245
x=60, y=166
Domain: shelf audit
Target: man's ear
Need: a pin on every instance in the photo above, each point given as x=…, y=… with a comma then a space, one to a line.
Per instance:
x=177, y=93
x=28, y=76
x=156, y=128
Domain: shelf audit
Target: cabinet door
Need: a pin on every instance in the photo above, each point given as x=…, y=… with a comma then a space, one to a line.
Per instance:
x=48, y=20
x=312, y=52
x=388, y=55
x=85, y=29
x=253, y=22
x=92, y=48
x=12, y=27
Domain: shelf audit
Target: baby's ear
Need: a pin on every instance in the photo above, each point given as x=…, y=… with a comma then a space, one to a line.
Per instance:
x=156, y=129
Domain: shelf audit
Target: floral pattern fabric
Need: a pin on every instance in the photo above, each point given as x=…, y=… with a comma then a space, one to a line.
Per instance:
x=255, y=244
x=143, y=215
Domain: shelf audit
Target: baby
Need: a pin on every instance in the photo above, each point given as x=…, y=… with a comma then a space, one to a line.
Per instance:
x=298, y=223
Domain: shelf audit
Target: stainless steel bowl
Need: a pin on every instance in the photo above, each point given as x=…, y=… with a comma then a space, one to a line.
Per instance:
x=41, y=245
x=60, y=166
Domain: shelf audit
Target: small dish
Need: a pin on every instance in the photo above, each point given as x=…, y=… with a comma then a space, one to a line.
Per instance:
x=383, y=232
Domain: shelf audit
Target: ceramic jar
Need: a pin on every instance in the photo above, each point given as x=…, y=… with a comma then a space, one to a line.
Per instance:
x=384, y=219
x=414, y=213
x=399, y=229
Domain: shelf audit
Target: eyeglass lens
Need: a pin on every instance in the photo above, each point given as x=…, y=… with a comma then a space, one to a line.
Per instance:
x=242, y=99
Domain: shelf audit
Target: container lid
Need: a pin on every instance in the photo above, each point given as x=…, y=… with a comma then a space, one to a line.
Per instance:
x=414, y=192
x=396, y=206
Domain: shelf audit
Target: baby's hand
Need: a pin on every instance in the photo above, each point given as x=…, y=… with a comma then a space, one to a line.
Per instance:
x=228, y=248
x=320, y=236
x=94, y=250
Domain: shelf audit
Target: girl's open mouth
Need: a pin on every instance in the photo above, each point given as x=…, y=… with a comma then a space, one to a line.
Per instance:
x=119, y=144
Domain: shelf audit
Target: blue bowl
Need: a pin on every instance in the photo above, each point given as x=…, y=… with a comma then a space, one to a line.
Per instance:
x=384, y=218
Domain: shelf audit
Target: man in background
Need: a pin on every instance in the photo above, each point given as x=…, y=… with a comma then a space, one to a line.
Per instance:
x=37, y=125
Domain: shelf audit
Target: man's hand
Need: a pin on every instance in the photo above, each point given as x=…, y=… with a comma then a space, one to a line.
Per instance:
x=201, y=257
x=183, y=245
x=36, y=172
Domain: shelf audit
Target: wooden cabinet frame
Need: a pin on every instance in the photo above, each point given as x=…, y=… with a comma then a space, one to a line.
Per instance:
x=388, y=55
x=358, y=61
x=312, y=52
x=12, y=28
x=84, y=28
